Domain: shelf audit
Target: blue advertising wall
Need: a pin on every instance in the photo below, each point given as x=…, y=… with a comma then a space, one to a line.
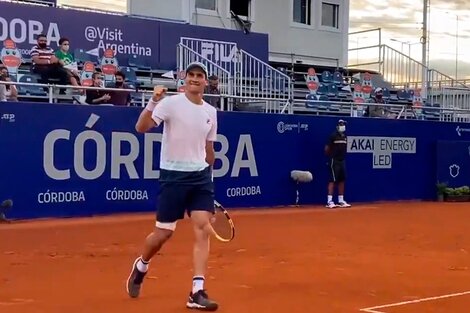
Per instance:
x=153, y=40
x=453, y=162
x=71, y=160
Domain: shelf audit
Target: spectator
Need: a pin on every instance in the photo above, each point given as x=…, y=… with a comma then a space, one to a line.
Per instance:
x=10, y=93
x=213, y=89
x=67, y=60
x=46, y=64
x=120, y=97
x=96, y=96
x=378, y=110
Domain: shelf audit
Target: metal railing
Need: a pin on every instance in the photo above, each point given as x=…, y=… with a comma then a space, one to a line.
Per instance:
x=185, y=56
x=252, y=77
x=442, y=113
x=397, y=68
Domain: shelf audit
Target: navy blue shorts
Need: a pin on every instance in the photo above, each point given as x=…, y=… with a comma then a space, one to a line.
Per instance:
x=184, y=192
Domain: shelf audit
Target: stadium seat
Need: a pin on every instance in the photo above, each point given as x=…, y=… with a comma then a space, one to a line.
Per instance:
x=402, y=94
x=326, y=77
x=322, y=89
x=131, y=76
x=81, y=57
x=332, y=90
x=138, y=63
x=338, y=78
x=386, y=93
x=30, y=90
x=310, y=103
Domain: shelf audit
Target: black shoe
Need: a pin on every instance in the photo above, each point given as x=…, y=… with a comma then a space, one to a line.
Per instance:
x=134, y=282
x=200, y=301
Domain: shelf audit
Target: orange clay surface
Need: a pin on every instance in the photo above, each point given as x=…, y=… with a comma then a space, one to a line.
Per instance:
x=308, y=260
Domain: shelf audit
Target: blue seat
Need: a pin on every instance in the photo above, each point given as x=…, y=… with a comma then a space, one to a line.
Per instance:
x=30, y=90
x=326, y=77
x=332, y=90
x=322, y=89
x=338, y=78
x=81, y=57
x=386, y=93
x=130, y=74
x=325, y=103
x=138, y=62
x=310, y=103
x=402, y=94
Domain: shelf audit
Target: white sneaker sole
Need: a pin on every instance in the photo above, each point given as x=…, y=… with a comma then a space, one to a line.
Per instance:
x=193, y=305
x=129, y=278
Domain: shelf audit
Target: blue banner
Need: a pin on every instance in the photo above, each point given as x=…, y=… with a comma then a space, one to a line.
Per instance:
x=153, y=41
x=71, y=160
x=219, y=46
x=453, y=163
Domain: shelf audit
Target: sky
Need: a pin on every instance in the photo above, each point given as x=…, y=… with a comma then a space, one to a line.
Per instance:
x=399, y=20
x=402, y=20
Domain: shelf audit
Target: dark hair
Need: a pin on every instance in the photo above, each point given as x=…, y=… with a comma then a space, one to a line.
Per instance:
x=41, y=36
x=62, y=40
x=119, y=73
x=95, y=74
x=213, y=77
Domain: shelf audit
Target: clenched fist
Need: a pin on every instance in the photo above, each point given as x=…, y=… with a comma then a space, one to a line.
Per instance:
x=158, y=93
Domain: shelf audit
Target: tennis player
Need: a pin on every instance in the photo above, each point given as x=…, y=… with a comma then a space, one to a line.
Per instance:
x=187, y=154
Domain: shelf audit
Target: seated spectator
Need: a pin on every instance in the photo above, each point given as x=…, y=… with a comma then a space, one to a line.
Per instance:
x=97, y=96
x=213, y=89
x=67, y=60
x=11, y=93
x=376, y=110
x=46, y=64
x=120, y=97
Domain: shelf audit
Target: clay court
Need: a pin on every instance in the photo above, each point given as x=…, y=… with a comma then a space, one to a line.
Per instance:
x=378, y=258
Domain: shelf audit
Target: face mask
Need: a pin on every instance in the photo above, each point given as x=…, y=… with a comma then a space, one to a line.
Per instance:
x=119, y=84
x=341, y=128
x=378, y=96
x=42, y=45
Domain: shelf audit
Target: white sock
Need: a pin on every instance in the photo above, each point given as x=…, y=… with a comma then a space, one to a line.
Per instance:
x=142, y=266
x=198, y=283
x=330, y=198
x=340, y=198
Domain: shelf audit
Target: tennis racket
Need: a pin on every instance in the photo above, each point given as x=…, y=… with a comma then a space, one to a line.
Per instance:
x=222, y=224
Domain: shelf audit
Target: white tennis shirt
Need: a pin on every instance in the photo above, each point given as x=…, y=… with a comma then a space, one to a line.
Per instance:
x=186, y=128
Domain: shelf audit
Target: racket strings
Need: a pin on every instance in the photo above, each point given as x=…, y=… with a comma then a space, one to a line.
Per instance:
x=221, y=225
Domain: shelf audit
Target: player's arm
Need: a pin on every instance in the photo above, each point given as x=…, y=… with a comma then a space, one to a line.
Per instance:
x=327, y=150
x=211, y=137
x=210, y=153
x=145, y=121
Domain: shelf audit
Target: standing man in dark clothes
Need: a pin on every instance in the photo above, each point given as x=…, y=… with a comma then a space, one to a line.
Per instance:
x=336, y=150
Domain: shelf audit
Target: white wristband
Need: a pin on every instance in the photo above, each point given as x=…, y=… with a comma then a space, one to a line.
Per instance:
x=151, y=105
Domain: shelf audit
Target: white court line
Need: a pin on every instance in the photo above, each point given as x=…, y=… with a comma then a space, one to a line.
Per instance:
x=374, y=309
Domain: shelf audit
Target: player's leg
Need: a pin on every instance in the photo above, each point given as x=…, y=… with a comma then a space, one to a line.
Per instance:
x=201, y=210
x=341, y=174
x=331, y=185
x=171, y=208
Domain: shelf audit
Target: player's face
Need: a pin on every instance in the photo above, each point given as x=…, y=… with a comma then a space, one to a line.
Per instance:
x=195, y=81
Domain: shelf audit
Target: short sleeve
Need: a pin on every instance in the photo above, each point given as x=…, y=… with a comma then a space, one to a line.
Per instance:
x=162, y=111
x=212, y=135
